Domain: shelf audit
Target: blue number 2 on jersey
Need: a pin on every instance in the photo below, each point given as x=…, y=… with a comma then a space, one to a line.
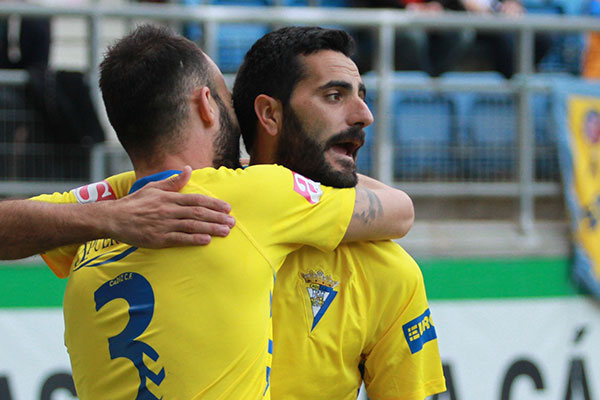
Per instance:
x=137, y=291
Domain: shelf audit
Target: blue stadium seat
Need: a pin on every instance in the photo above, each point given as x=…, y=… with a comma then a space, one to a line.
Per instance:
x=322, y=3
x=571, y=7
x=546, y=155
x=240, y=2
x=492, y=137
x=234, y=41
x=335, y=3
x=424, y=137
x=544, y=7
x=464, y=101
x=366, y=158
x=294, y=3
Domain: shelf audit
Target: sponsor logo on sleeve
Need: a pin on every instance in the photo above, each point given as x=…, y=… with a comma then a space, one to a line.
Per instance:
x=307, y=188
x=94, y=192
x=419, y=331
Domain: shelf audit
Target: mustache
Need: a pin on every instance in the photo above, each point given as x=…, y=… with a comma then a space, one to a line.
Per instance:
x=352, y=133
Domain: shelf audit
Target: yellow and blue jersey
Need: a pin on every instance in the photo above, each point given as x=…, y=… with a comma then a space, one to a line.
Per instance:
x=364, y=303
x=192, y=322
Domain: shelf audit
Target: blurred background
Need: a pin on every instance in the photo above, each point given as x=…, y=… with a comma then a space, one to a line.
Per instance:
x=473, y=119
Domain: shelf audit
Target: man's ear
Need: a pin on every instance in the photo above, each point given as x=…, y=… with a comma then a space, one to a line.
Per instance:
x=270, y=114
x=205, y=105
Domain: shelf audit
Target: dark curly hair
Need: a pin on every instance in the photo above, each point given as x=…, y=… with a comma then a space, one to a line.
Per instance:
x=272, y=67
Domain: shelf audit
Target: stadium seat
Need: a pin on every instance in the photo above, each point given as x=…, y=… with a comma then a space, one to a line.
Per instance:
x=366, y=158
x=321, y=3
x=492, y=137
x=292, y=3
x=240, y=2
x=543, y=7
x=424, y=137
x=464, y=101
x=335, y=3
x=571, y=7
x=564, y=54
x=234, y=41
x=546, y=155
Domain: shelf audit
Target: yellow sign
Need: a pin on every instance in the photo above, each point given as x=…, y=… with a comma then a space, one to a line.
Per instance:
x=583, y=115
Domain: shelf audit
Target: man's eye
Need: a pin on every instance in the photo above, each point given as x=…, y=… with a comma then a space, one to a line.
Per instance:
x=334, y=96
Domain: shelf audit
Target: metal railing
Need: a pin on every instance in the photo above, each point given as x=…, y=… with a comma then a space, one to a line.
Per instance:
x=384, y=23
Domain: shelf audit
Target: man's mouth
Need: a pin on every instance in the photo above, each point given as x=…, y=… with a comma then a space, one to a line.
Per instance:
x=347, y=148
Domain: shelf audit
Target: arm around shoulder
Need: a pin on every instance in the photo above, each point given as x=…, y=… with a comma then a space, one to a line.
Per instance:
x=380, y=212
x=32, y=227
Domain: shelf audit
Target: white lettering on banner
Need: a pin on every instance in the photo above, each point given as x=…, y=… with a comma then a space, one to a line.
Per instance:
x=33, y=354
x=519, y=349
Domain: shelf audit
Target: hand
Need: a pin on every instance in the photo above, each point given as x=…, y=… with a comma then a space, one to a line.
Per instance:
x=158, y=216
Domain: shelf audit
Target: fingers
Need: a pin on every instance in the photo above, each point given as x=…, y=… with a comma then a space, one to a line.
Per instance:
x=175, y=239
x=203, y=228
x=199, y=214
x=199, y=200
x=187, y=233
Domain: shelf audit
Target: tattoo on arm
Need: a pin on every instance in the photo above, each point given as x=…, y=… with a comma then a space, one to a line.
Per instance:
x=370, y=206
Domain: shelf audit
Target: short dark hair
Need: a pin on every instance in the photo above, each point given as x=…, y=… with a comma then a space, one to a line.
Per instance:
x=272, y=67
x=145, y=79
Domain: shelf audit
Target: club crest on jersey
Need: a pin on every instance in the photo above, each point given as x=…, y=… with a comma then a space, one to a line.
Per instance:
x=320, y=292
x=307, y=188
x=94, y=192
x=419, y=331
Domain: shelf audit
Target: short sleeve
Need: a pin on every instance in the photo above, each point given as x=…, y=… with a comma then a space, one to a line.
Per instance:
x=404, y=361
x=59, y=260
x=285, y=208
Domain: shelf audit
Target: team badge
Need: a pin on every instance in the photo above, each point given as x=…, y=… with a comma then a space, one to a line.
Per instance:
x=307, y=188
x=320, y=292
x=94, y=192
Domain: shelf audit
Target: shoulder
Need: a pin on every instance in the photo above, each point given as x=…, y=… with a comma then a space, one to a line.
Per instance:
x=254, y=171
x=386, y=264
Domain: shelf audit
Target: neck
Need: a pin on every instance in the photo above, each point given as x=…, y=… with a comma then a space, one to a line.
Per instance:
x=196, y=159
x=264, y=150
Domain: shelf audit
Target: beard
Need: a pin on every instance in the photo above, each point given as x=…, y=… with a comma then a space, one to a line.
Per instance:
x=227, y=143
x=300, y=153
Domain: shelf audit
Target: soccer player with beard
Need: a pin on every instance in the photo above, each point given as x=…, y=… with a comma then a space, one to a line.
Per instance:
x=362, y=306
x=194, y=322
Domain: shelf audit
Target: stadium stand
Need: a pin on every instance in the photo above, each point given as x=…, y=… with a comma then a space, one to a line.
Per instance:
x=234, y=41
x=443, y=136
x=424, y=137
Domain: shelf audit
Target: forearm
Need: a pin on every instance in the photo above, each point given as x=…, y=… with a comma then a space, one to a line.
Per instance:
x=380, y=212
x=32, y=227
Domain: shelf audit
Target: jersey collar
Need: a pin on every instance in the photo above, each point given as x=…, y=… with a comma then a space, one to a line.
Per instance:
x=140, y=183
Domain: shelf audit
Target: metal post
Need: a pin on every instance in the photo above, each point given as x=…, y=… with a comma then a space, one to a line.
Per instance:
x=525, y=51
x=97, y=159
x=210, y=40
x=526, y=135
x=383, y=145
x=94, y=26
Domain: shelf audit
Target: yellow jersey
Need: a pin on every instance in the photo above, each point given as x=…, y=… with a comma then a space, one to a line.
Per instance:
x=192, y=322
x=364, y=303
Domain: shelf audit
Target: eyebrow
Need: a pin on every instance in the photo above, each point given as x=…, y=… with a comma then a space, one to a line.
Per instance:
x=345, y=85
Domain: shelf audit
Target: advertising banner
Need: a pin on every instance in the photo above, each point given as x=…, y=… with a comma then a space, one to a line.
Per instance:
x=577, y=112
